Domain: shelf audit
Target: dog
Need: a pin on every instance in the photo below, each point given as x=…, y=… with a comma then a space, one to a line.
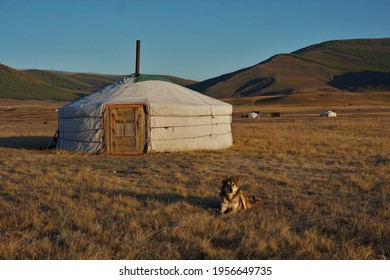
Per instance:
x=233, y=199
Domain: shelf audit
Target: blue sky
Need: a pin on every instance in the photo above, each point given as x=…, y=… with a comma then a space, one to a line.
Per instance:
x=195, y=39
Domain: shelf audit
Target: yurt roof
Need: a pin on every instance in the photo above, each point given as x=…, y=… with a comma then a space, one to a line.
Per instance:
x=154, y=93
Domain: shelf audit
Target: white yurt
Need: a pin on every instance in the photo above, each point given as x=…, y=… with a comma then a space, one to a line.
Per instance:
x=251, y=115
x=135, y=117
x=328, y=114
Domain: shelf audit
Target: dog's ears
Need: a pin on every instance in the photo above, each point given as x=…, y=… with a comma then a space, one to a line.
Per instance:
x=234, y=179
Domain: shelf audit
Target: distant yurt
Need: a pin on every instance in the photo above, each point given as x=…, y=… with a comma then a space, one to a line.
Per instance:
x=251, y=115
x=328, y=114
x=135, y=117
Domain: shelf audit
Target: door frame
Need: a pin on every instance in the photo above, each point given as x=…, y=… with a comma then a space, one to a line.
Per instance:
x=140, y=129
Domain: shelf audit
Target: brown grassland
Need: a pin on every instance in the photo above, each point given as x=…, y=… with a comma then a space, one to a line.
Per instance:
x=325, y=185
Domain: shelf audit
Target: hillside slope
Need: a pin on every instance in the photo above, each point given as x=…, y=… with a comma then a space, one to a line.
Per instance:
x=20, y=85
x=56, y=85
x=48, y=85
x=329, y=67
x=74, y=81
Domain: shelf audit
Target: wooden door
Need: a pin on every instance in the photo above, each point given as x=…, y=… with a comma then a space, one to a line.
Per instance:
x=126, y=129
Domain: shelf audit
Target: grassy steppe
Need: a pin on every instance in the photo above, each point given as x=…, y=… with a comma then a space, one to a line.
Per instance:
x=325, y=184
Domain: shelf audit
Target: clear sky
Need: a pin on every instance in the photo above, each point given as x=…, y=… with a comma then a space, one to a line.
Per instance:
x=195, y=39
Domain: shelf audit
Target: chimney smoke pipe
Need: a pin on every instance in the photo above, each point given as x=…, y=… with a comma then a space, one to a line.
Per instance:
x=137, y=58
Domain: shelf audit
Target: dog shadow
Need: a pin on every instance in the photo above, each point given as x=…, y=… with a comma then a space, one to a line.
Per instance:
x=208, y=203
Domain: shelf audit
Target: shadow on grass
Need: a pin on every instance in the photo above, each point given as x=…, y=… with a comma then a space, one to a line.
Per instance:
x=207, y=203
x=25, y=142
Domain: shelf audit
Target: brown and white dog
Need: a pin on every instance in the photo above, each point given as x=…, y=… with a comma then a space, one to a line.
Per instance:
x=233, y=199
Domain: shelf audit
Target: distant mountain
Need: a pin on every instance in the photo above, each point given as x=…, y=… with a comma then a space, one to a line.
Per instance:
x=330, y=67
x=317, y=72
x=49, y=85
x=84, y=82
x=56, y=85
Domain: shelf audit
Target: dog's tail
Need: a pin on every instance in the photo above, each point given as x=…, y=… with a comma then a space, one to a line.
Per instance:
x=256, y=201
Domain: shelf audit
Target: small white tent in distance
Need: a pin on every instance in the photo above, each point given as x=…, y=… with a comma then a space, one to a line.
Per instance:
x=131, y=117
x=328, y=114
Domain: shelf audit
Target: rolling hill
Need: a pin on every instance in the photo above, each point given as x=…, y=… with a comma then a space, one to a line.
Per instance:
x=360, y=65
x=49, y=85
x=341, y=70
x=56, y=85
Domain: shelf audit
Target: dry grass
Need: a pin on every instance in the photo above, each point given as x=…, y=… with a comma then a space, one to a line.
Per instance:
x=325, y=183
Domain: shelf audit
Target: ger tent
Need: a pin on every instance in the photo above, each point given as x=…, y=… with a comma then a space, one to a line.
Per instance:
x=328, y=114
x=131, y=117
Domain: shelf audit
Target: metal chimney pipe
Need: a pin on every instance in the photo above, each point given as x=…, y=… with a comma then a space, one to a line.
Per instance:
x=137, y=58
